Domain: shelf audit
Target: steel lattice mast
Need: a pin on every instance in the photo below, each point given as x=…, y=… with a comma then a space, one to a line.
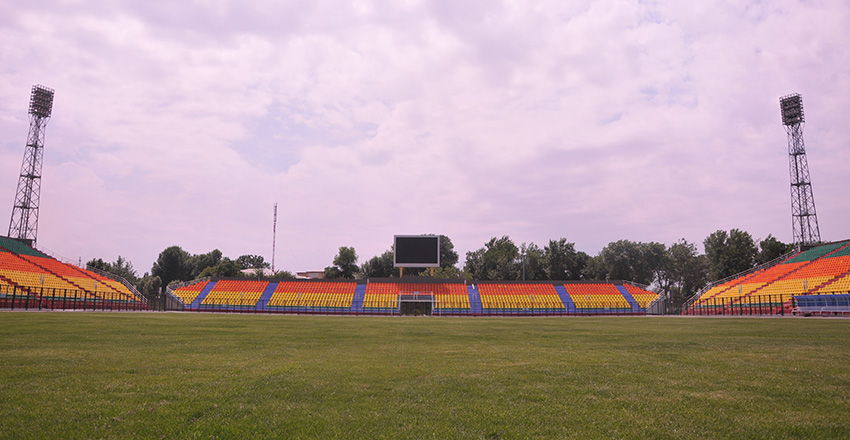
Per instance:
x=803, y=214
x=24, y=222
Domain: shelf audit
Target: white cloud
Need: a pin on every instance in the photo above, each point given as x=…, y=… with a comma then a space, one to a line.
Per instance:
x=596, y=121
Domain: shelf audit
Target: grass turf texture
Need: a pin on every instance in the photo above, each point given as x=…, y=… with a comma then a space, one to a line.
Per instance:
x=158, y=375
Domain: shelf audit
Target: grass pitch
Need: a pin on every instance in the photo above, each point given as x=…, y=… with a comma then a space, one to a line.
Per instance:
x=172, y=375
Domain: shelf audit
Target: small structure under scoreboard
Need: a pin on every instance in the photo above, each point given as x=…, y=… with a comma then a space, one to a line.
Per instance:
x=416, y=251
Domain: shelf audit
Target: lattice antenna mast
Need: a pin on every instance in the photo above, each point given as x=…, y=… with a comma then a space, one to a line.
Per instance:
x=274, y=234
x=24, y=222
x=803, y=215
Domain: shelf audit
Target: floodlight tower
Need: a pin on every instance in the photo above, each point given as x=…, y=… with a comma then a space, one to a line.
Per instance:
x=24, y=223
x=803, y=214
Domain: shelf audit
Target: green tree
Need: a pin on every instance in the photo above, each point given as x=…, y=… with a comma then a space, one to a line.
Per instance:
x=682, y=273
x=653, y=255
x=283, y=275
x=729, y=253
x=201, y=262
x=173, y=264
x=448, y=256
x=252, y=262
x=124, y=268
x=630, y=261
x=562, y=262
x=149, y=285
x=617, y=259
x=225, y=268
x=533, y=262
x=121, y=267
x=474, y=266
x=99, y=264
x=447, y=272
x=379, y=266
x=595, y=269
x=499, y=259
x=770, y=248
x=344, y=264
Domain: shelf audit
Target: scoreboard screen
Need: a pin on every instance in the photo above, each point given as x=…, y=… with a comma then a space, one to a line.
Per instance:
x=416, y=251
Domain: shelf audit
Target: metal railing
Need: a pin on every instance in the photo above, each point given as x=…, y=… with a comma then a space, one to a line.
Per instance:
x=714, y=284
x=265, y=306
x=119, y=279
x=174, y=286
x=747, y=305
x=46, y=298
x=169, y=290
x=104, y=273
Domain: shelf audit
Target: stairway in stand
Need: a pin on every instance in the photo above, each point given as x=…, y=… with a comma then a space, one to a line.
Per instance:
x=266, y=296
x=565, y=298
x=201, y=296
x=359, y=297
x=626, y=294
x=474, y=300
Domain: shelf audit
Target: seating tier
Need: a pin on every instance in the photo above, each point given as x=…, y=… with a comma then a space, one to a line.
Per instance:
x=384, y=295
x=25, y=274
x=235, y=293
x=642, y=297
x=313, y=294
x=18, y=248
x=815, y=253
x=597, y=296
x=841, y=285
x=825, y=267
x=188, y=293
x=820, y=269
x=519, y=296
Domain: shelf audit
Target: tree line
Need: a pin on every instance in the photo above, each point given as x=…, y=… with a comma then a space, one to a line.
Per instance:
x=176, y=265
x=677, y=270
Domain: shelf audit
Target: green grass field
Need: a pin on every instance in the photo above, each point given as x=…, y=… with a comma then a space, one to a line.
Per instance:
x=172, y=375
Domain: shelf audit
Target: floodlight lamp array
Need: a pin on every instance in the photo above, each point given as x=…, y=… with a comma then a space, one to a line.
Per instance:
x=41, y=101
x=792, y=109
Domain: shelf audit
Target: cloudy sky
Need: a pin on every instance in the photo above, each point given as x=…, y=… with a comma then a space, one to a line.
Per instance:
x=182, y=123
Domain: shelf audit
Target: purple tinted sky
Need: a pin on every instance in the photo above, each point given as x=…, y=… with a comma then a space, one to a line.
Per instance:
x=590, y=120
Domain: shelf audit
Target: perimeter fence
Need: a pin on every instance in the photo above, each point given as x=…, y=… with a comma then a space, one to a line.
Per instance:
x=14, y=297
x=475, y=309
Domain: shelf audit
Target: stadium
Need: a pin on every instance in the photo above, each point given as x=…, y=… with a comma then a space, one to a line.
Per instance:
x=813, y=278
x=645, y=122
x=325, y=359
x=815, y=281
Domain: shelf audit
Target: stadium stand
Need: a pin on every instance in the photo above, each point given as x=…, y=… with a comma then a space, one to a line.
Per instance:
x=642, y=296
x=379, y=296
x=770, y=290
x=29, y=276
x=597, y=297
x=187, y=293
x=501, y=296
x=446, y=296
x=839, y=285
x=18, y=248
x=28, y=273
x=235, y=293
x=312, y=295
x=387, y=296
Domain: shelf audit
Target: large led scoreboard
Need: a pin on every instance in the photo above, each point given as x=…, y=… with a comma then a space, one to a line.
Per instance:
x=416, y=251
